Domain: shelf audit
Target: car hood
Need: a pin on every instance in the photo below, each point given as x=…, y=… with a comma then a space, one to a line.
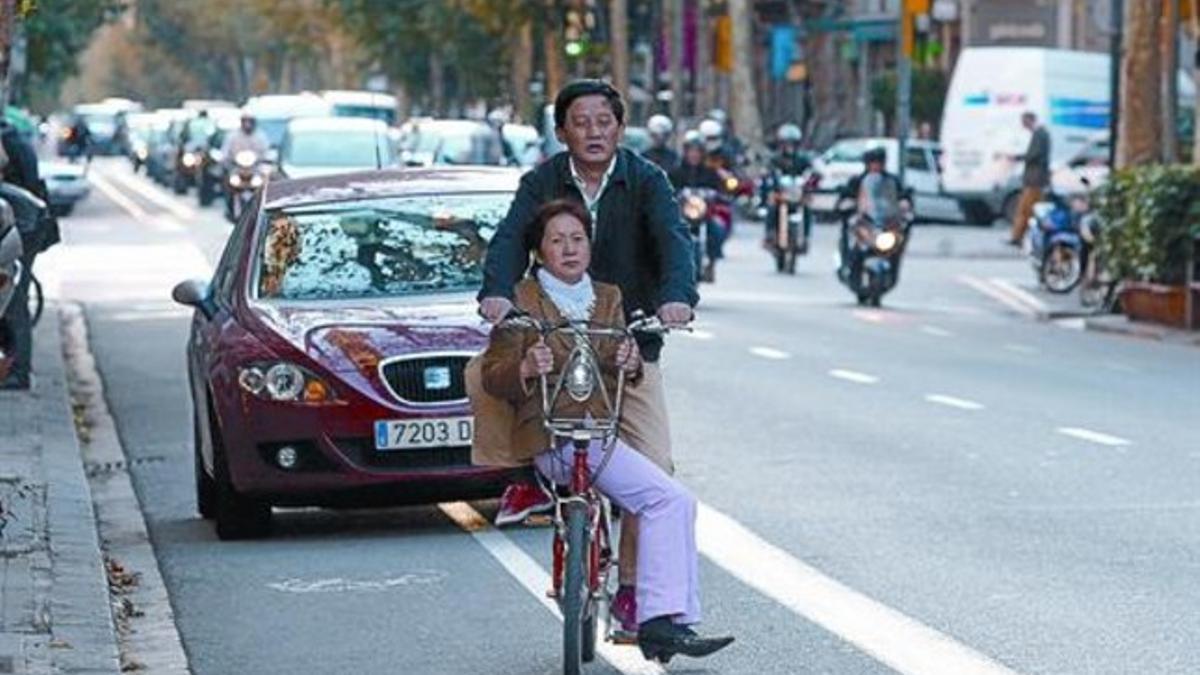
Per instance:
x=348, y=338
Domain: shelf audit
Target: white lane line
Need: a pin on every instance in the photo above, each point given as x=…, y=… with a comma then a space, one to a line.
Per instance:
x=769, y=353
x=1094, y=436
x=894, y=639
x=536, y=580
x=119, y=199
x=853, y=376
x=698, y=334
x=998, y=295
x=149, y=192
x=1021, y=294
x=1020, y=349
x=936, y=331
x=953, y=402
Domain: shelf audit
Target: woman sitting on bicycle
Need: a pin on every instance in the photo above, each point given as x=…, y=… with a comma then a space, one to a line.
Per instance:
x=668, y=594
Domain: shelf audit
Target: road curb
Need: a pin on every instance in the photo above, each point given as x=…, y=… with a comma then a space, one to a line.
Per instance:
x=145, y=623
x=1121, y=325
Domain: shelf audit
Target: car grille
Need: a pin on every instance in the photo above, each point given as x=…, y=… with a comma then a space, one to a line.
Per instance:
x=421, y=379
x=363, y=452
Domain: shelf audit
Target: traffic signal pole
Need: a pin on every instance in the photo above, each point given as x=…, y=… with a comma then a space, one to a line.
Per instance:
x=909, y=10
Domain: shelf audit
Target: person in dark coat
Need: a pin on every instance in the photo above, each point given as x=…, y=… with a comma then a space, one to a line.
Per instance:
x=1036, y=177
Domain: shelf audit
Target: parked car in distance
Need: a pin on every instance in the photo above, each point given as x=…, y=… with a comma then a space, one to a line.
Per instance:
x=431, y=142
x=524, y=144
x=66, y=184
x=843, y=161
x=318, y=146
x=327, y=353
x=273, y=112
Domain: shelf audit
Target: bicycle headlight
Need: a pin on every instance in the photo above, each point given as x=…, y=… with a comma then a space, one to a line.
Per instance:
x=886, y=241
x=694, y=208
x=580, y=379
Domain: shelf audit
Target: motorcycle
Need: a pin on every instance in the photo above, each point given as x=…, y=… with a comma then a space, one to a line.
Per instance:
x=869, y=256
x=1056, y=247
x=246, y=177
x=789, y=232
x=699, y=213
x=11, y=250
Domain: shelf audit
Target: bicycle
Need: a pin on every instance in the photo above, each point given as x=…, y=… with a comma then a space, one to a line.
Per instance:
x=37, y=300
x=582, y=550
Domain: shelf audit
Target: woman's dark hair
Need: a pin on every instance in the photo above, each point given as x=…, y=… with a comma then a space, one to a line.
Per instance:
x=579, y=89
x=537, y=229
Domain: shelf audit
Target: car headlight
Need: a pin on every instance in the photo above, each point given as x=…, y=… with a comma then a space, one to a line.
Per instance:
x=886, y=241
x=256, y=181
x=283, y=381
x=694, y=208
x=235, y=180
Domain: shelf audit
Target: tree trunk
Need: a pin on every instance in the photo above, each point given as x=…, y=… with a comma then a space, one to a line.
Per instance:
x=1169, y=32
x=705, y=96
x=521, y=72
x=673, y=18
x=619, y=45
x=556, y=69
x=1139, y=140
x=437, y=84
x=747, y=118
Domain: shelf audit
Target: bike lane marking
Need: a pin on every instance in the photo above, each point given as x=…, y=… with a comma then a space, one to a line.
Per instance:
x=853, y=376
x=151, y=193
x=999, y=294
x=1094, y=436
x=522, y=567
x=953, y=402
x=887, y=635
x=160, y=223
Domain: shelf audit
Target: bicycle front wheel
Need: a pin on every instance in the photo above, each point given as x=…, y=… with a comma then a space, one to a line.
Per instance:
x=575, y=594
x=37, y=301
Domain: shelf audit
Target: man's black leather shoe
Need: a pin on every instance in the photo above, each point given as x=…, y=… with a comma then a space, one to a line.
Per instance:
x=660, y=640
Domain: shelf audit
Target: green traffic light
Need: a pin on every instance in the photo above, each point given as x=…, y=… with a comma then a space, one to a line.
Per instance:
x=574, y=48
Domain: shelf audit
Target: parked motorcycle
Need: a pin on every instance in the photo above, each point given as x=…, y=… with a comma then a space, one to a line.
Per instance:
x=1055, y=245
x=249, y=173
x=869, y=254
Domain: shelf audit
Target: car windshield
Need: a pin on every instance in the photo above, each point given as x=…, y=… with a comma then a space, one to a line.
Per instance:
x=386, y=115
x=378, y=248
x=338, y=148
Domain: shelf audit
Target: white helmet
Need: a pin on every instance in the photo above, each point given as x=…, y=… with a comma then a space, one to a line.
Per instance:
x=788, y=133
x=660, y=125
x=713, y=134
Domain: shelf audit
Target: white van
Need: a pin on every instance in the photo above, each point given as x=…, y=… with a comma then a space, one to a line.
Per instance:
x=981, y=123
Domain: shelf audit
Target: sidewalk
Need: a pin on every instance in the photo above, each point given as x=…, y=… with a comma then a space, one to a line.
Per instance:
x=54, y=602
x=1121, y=325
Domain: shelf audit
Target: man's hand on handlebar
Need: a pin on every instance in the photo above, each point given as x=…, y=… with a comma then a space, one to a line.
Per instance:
x=629, y=357
x=494, y=309
x=675, y=314
x=539, y=360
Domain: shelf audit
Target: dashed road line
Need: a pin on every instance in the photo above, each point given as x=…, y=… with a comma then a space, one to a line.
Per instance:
x=953, y=402
x=936, y=331
x=522, y=567
x=1094, y=436
x=893, y=638
x=769, y=353
x=853, y=376
x=1020, y=349
x=119, y=199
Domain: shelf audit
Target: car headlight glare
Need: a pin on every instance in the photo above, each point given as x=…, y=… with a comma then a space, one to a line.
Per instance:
x=285, y=382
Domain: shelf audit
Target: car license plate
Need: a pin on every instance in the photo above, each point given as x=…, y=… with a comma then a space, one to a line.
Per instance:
x=430, y=432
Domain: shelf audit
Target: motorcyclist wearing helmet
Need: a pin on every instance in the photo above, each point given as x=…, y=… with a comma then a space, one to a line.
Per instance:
x=787, y=160
x=719, y=154
x=877, y=196
x=694, y=172
x=247, y=137
x=660, y=152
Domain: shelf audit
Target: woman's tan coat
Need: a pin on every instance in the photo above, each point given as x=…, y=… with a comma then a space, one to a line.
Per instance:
x=508, y=409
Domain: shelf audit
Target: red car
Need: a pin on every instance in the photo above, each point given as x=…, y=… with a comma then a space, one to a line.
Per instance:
x=326, y=355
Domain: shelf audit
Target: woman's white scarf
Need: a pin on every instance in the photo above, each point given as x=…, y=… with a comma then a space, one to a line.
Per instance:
x=574, y=301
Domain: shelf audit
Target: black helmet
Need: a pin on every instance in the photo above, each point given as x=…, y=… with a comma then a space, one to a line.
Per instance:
x=874, y=155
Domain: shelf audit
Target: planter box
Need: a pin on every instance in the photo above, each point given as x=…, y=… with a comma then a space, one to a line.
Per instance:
x=1167, y=305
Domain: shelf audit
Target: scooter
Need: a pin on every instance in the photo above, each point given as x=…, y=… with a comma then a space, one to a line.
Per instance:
x=247, y=176
x=1056, y=247
x=869, y=255
x=696, y=205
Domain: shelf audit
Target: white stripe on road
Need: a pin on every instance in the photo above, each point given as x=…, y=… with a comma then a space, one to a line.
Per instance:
x=536, y=580
x=769, y=353
x=1020, y=349
x=894, y=639
x=152, y=193
x=853, y=376
x=698, y=334
x=1021, y=294
x=1094, y=436
x=936, y=332
x=953, y=402
x=998, y=295
x=119, y=199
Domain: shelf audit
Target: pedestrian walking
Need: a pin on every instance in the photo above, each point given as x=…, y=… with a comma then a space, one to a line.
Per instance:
x=1034, y=179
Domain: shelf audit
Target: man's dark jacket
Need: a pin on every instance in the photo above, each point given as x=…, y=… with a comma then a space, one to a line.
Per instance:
x=640, y=242
x=1037, y=160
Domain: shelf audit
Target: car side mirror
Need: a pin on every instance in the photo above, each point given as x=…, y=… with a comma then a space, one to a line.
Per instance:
x=195, y=293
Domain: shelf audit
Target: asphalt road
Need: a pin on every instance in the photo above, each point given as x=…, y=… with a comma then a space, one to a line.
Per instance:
x=939, y=486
